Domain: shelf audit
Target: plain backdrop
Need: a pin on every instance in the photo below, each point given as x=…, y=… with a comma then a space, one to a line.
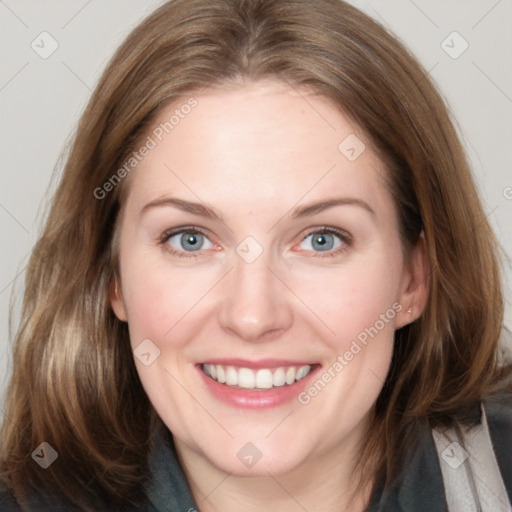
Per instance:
x=464, y=44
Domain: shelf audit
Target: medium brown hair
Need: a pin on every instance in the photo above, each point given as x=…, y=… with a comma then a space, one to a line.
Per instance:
x=74, y=382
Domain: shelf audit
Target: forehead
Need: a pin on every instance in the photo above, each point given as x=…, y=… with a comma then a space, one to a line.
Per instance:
x=255, y=144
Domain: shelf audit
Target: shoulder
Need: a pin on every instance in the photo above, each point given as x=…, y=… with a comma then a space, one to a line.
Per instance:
x=7, y=501
x=421, y=486
x=476, y=459
x=41, y=503
x=34, y=501
x=498, y=410
x=166, y=489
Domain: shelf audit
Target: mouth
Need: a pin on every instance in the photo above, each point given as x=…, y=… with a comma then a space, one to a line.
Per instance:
x=256, y=385
x=256, y=379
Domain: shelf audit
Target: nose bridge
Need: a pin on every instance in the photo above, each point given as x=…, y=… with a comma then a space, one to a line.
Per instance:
x=254, y=304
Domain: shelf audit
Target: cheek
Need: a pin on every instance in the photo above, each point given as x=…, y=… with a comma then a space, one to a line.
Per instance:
x=353, y=297
x=159, y=300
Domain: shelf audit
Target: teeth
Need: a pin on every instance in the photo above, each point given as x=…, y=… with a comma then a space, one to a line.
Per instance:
x=301, y=373
x=265, y=378
x=290, y=375
x=231, y=376
x=221, y=374
x=279, y=377
x=246, y=378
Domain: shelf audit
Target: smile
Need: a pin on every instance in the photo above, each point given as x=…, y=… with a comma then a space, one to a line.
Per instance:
x=260, y=379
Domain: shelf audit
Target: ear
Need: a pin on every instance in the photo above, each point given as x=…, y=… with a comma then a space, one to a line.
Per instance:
x=116, y=300
x=415, y=285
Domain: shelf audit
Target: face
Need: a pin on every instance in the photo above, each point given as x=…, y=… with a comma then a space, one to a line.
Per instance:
x=262, y=278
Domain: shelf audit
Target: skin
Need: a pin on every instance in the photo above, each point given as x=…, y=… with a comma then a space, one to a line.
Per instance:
x=253, y=153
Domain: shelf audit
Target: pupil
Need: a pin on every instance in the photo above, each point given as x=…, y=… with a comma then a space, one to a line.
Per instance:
x=323, y=242
x=191, y=241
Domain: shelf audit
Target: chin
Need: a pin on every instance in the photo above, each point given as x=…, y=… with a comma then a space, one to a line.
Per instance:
x=247, y=459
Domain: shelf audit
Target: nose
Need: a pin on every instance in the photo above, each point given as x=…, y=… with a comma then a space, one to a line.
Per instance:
x=256, y=306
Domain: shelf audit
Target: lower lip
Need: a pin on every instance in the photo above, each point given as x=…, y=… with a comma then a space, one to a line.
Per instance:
x=256, y=399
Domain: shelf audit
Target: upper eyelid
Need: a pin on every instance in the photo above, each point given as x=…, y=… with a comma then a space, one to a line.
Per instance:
x=169, y=233
x=204, y=231
x=328, y=229
x=344, y=235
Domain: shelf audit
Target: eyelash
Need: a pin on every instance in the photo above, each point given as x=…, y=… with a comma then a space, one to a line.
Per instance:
x=167, y=235
x=345, y=238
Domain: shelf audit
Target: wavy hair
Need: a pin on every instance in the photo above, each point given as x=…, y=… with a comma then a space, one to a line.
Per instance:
x=74, y=382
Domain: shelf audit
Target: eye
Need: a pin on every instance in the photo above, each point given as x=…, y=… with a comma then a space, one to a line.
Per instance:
x=327, y=240
x=186, y=240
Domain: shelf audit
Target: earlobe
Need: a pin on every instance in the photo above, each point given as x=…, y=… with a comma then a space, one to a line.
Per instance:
x=415, y=285
x=117, y=301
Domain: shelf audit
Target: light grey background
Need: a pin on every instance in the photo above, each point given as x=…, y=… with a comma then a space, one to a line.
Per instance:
x=41, y=100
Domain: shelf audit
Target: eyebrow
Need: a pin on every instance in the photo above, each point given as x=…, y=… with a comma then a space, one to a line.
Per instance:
x=314, y=208
x=187, y=206
x=298, y=213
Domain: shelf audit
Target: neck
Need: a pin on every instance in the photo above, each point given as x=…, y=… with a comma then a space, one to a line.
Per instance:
x=327, y=482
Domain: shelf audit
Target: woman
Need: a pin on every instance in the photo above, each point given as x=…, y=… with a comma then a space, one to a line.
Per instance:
x=266, y=280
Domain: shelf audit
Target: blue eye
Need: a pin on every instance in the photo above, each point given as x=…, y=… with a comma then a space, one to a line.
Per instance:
x=323, y=240
x=189, y=241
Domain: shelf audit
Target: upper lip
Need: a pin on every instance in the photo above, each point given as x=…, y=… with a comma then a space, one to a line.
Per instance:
x=261, y=363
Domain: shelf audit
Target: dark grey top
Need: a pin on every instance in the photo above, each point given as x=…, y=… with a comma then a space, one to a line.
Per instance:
x=419, y=488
